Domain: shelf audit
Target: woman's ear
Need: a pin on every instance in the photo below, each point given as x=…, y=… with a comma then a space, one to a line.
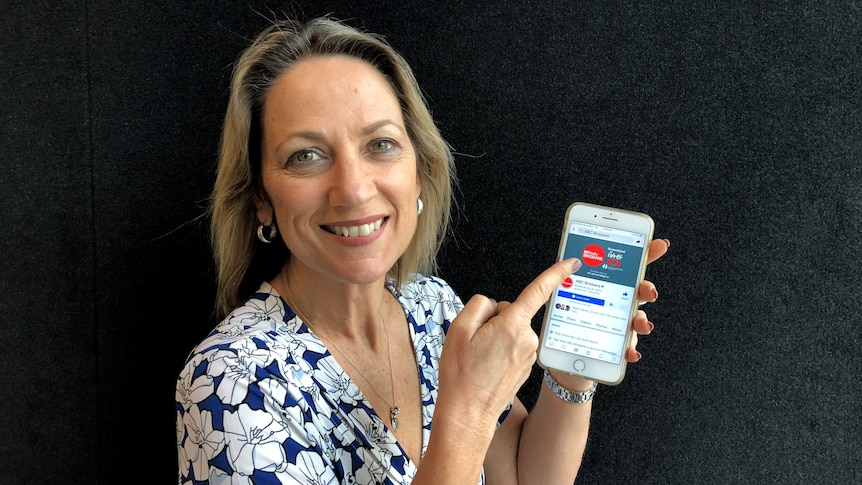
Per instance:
x=264, y=209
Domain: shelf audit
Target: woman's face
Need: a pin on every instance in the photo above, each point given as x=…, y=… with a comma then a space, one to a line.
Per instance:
x=339, y=169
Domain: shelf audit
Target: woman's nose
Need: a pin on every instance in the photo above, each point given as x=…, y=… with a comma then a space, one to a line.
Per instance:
x=351, y=181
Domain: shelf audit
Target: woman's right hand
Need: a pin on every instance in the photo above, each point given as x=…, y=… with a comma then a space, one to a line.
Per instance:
x=491, y=347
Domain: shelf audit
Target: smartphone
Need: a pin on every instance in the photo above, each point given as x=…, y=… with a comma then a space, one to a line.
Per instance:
x=587, y=324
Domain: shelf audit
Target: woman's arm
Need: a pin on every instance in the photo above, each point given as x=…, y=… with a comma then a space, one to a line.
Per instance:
x=547, y=444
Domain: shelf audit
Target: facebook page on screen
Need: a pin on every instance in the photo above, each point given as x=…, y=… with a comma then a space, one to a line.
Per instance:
x=589, y=314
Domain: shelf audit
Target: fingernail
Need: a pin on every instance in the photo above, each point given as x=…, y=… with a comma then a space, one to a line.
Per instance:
x=651, y=326
x=576, y=265
x=654, y=294
x=668, y=242
x=638, y=355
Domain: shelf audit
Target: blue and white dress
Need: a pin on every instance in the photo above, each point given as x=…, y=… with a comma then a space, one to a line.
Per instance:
x=262, y=401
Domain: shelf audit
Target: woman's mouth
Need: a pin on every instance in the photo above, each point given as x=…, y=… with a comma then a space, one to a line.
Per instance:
x=356, y=231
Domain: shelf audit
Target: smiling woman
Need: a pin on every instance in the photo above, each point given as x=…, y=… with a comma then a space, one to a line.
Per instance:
x=241, y=262
x=337, y=162
x=331, y=200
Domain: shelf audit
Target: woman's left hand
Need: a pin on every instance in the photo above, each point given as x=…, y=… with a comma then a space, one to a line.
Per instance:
x=647, y=293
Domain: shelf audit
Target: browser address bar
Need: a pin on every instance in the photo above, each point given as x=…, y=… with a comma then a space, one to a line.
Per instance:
x=598, y=234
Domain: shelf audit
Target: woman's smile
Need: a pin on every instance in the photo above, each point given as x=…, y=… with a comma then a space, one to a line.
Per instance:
x=352, y=231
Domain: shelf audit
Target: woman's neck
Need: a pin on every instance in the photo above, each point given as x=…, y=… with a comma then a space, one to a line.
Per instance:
x=344, y=311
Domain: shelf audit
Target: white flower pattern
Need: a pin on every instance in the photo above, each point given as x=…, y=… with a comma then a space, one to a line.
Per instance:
x=262, y=401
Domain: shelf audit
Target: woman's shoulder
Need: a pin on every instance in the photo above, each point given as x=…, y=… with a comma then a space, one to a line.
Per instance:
x=427, y=285
x=262, y=314
x=429, y=296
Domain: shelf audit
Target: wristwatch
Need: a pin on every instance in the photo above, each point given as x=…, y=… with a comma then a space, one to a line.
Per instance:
x=567, y=395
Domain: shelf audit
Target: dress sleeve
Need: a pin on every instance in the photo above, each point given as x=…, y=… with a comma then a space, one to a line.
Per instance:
x=240, y=418
x=433, y=303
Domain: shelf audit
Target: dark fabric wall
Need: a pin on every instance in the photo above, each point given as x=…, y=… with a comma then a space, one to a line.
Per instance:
x=736, y=125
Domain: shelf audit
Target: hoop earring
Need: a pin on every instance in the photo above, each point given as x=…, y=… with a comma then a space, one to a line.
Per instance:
x=421, y=206
x=268, y=236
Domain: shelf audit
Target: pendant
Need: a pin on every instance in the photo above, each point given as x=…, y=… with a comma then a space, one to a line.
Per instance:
x=393, y=416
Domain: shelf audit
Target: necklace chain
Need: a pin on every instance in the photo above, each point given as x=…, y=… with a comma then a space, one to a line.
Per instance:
x=394, y=410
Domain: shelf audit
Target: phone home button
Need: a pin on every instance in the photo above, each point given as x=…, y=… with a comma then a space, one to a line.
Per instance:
x=579, y=365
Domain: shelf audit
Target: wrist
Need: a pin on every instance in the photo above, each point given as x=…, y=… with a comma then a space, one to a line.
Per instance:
x=572, y=382
x=465, y=422
x=572, y=389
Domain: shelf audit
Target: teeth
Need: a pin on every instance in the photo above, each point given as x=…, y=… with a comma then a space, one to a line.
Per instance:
x=360, y=230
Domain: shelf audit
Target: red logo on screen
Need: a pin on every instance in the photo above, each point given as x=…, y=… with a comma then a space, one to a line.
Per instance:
x=593, y=255
x=567, y=282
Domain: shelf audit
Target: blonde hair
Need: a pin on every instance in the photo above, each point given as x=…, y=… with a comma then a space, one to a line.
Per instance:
x=242, y=262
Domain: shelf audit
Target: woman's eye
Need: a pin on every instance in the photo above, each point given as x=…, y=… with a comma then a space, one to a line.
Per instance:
x=302, y=157
x=383, y=145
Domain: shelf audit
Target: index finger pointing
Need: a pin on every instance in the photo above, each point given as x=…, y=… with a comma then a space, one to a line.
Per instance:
x=539, y=290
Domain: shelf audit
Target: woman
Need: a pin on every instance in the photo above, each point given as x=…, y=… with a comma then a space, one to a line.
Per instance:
x=331, y=200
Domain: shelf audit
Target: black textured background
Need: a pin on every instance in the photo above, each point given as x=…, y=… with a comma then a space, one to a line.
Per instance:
x=736, y=125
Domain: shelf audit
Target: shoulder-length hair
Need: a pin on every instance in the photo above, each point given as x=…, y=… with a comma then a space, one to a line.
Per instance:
x=242, y=262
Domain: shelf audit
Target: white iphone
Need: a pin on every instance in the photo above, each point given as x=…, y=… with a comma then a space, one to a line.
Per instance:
x=587, y=324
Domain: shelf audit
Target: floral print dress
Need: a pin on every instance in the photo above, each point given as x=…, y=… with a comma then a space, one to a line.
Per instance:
x=262, y=401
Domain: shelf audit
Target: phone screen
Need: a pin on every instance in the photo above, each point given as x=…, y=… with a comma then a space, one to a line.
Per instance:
x=590, y=312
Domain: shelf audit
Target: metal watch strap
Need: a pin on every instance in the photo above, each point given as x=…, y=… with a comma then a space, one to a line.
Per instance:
x=567, y=395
